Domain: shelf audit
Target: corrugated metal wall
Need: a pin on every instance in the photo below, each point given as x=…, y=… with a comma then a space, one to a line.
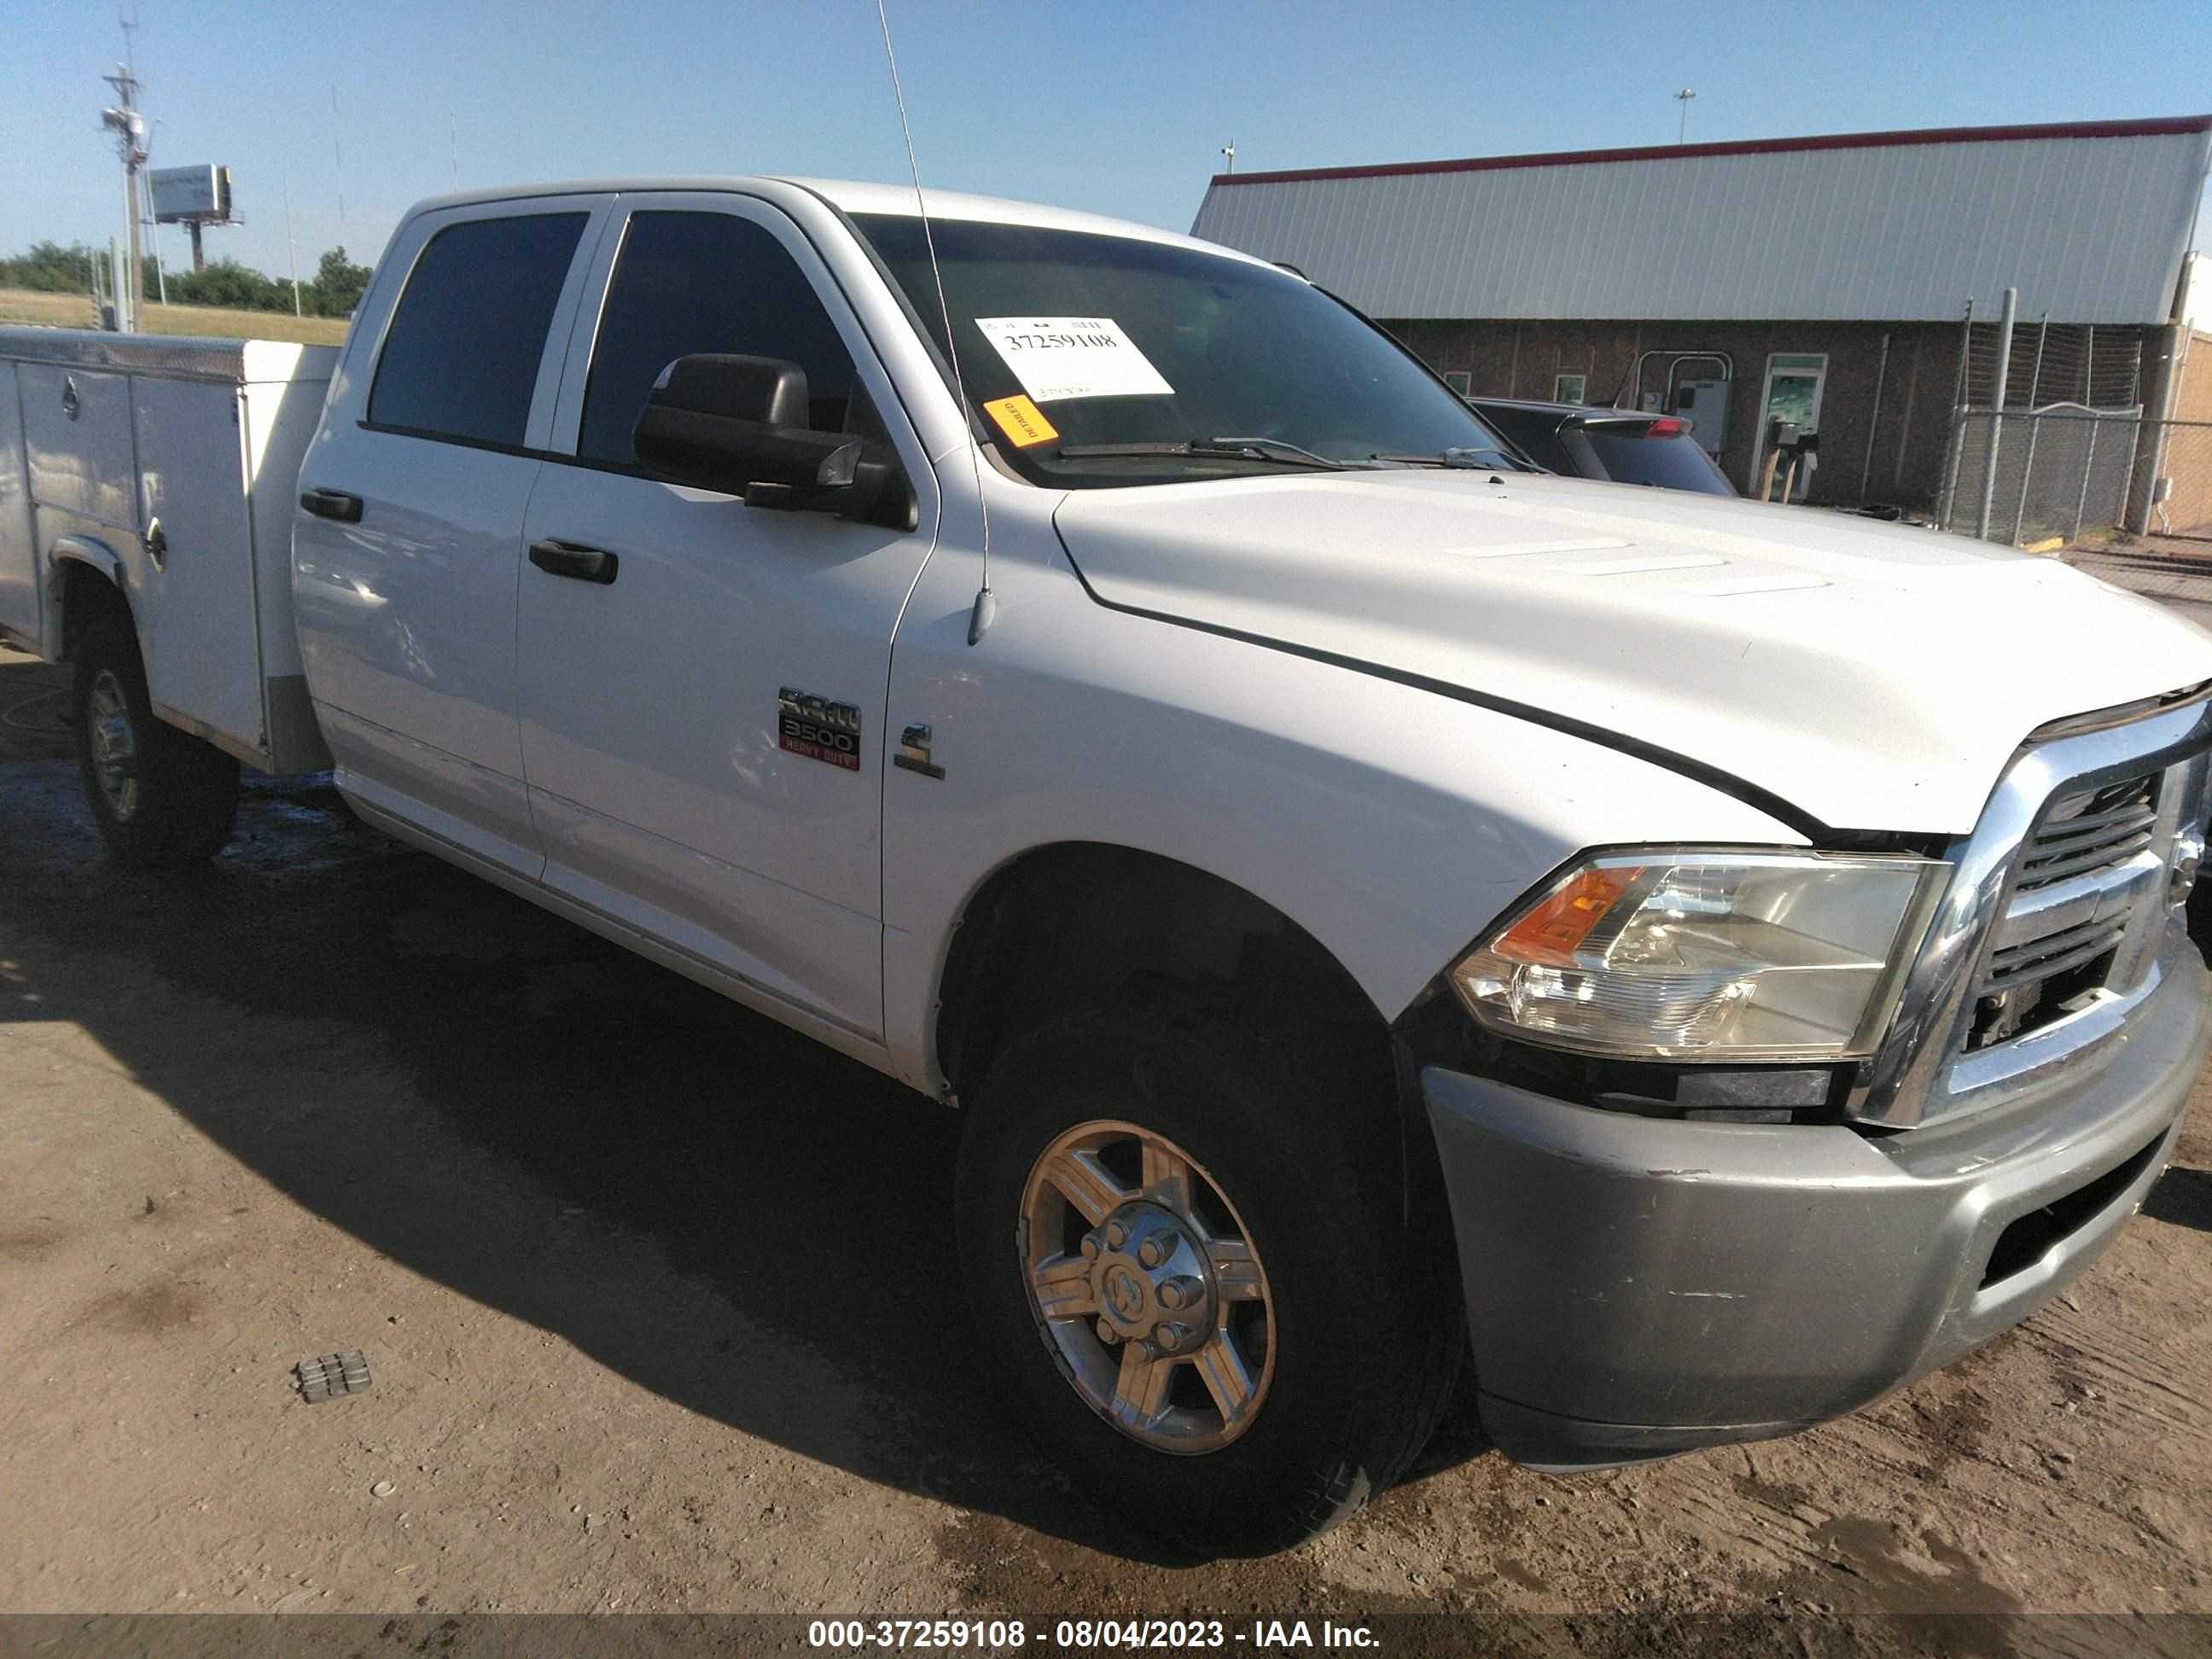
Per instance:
x=2091, y=230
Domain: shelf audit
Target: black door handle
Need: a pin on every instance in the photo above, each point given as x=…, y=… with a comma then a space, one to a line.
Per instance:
x=585, y=564
x=332, y=504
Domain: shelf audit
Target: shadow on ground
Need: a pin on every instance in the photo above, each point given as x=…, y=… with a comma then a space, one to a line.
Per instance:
x=2183, y=1196
x=529, y=1083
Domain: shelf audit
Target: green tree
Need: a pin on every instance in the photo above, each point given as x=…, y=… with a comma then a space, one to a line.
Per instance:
x=49, y=268
x=227, y=282
x=337, y=286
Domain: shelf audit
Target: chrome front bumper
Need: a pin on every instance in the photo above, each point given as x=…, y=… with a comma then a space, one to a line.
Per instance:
x=1637, y=1287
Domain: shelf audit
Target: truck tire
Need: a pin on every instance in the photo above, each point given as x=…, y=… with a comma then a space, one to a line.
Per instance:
x=162, y=798
x=1205, y=1275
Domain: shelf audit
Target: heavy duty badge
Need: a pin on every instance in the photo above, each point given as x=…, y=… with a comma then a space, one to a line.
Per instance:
x=817, y=728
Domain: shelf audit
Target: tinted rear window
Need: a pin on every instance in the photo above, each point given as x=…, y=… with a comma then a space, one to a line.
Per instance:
x=460, y=359
x=1669, y=463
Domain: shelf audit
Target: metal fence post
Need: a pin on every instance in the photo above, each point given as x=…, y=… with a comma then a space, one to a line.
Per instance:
x=2034, y=428
x=1958, y=419
x=2128, y=491
x=2027, y=472
x=2089, y=471
x=1997, y=415
x=1873, y=420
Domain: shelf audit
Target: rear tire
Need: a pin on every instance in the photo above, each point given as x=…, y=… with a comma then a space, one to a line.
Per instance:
x=162, y=798
x=1353, y=1355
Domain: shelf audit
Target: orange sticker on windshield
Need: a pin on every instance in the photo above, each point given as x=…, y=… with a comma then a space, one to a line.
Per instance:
x=1022, y=421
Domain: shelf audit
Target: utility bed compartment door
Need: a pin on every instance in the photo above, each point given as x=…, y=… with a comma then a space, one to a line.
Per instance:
x=202, y=636
x=77, y=424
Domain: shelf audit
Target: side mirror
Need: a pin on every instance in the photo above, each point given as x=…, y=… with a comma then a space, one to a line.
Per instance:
x=739, y=424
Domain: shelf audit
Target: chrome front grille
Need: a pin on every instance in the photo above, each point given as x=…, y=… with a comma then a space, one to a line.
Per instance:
x=2033, y=961
x=2048, y=937
x=2088, y=875
x=2090, y=832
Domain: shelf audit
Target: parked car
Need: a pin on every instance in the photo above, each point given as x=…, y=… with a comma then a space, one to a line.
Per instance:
x=1619, y=446
x=1365, y=911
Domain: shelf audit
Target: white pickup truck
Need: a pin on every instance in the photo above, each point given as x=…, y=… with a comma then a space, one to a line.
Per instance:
x=1706, y=964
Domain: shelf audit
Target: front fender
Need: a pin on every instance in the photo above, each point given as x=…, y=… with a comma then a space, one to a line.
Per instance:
x=1390, y=823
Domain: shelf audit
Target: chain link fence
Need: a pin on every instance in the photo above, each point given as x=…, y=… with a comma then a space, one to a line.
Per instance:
x=2050, y=444
x=2052, y=363
x=2071, y=474
x=2028, y=476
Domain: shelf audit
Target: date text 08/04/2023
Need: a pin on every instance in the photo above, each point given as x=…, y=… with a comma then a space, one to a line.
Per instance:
x=1261, y=1636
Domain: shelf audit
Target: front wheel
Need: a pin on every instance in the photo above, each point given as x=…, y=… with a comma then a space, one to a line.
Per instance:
x=1202, y=1271
x=161, y=797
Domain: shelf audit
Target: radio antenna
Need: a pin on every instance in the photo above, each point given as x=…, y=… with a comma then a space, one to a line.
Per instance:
x=987, y=604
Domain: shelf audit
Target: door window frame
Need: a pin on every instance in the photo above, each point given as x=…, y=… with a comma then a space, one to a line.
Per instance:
x=566, y=423
x=373, y=326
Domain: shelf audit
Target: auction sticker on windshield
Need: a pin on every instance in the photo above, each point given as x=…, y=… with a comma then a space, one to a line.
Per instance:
x=1022, y=421
x=1061, y=357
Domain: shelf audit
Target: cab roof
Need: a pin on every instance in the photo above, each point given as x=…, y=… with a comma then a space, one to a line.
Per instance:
x=847, y=195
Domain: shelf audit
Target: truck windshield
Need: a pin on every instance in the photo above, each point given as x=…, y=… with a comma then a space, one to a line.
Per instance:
x=1075, y=346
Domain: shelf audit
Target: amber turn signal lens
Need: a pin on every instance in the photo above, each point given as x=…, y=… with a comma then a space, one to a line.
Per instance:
x=1552, y=931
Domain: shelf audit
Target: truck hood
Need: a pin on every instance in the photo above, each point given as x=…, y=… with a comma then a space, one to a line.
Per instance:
x=1871, y=676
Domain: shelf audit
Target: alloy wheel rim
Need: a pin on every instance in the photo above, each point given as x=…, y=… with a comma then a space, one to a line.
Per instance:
x=1146, y=1287
x=114, y=742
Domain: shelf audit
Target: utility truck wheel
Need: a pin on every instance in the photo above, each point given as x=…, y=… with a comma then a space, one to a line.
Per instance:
x=1200, y=1269
x=161, y=797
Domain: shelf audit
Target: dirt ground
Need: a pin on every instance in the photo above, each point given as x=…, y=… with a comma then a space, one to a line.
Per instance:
x=2175, y=570
x=663, y=1314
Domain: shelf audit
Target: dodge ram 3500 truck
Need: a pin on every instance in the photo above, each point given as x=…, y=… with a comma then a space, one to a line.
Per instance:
x=1707, y=963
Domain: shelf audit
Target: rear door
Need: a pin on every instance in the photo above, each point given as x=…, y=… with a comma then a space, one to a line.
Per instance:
x=19, y=568
x=405, y=573
x=671, y=794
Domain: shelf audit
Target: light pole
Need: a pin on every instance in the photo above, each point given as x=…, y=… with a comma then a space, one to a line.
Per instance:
x=291, y=246
x=129, y=127
x=1228, y=150
x=1683, y=98
x=337, y=159
x=154, y=234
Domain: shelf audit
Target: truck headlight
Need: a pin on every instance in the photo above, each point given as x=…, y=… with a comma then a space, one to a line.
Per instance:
x=1691, y=954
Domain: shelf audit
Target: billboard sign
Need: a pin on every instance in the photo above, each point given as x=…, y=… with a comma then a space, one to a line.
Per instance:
x=188, y=193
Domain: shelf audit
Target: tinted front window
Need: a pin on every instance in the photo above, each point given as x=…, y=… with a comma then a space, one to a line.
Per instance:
x=690, y=283
x=460, y=359
x=1202, y=346
x=1669, y=463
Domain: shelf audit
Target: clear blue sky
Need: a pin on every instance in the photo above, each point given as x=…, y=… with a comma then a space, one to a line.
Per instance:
x=1117, y=107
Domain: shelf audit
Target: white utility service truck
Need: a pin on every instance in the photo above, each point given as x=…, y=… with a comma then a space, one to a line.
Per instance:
x=1705, y=964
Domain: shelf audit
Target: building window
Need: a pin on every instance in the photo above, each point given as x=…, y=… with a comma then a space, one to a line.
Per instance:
x=1568, y=388
x=1459, y=380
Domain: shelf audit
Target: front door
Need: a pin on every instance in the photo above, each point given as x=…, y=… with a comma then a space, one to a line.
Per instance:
x=668, y=791
x=1794, y=382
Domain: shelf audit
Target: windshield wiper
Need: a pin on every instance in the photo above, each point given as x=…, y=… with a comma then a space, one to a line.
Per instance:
x=1212, y=449
x=1464, y=457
